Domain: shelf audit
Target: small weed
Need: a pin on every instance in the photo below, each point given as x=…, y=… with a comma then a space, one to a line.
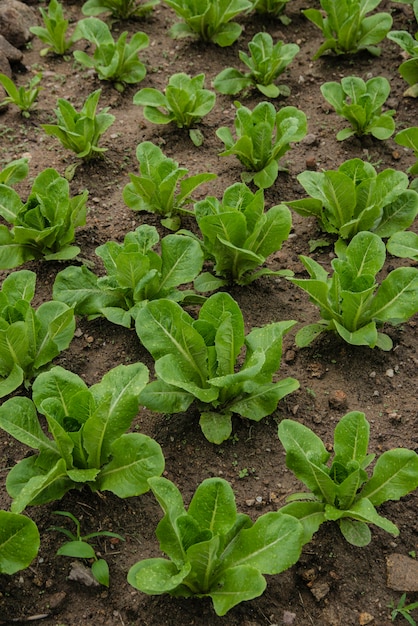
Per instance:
x=403, y=610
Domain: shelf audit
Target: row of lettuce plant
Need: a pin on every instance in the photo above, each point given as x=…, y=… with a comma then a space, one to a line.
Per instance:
x=213, y=551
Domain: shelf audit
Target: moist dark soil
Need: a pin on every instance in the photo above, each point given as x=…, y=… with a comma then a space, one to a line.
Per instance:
x=334, y=583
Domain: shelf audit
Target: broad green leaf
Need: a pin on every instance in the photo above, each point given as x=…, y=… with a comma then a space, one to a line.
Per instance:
x=77, y=549
x=216, y=427
x=262, y=400
x=135, y=459
x=157, y=576
x=310, y=514
x=395, y=300
x=100, y=571
x=163, y=398
x=41, y=487
x=235, y=585
x=19, y=542
x=213, y=506
x=171, y=502
x=18, y=417
x=395, y=474
x=351, y=437
x=271, y=545
x=355, y=532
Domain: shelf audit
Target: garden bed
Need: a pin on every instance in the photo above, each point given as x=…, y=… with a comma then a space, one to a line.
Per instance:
x=334, y=583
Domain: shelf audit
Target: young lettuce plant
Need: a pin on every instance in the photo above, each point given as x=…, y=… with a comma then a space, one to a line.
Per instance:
x=346, y=27
x=23, y=97
x=409, y=68
x=14, y=171
x=263, y=137
x=355, y=198
x=54, y=30
x=161, y=187
x=274, y=8
x=115, y=61
x=266, y=62
x=213, y=550
x=361, y=104
x=238, y=235
x=43, y=226
x=184, y=102
x=19, y=542
x=351, y=302
x=29, y=338
x=208, y=20
x=81, y=131
x=89, y=444
x=135, y=274
x=342, y=491
x=197, y=360
x=119, y=9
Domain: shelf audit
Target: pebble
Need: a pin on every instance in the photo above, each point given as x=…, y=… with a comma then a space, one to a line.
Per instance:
x=402, y=573
x=338, y=400
x=365, y=618
x=390, y=373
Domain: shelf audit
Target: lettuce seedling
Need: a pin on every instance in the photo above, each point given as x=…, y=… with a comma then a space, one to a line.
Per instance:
x=43, y=226
x=213, y=550
x=409, y=68
x=208, y=20
x=409, y=138
x=184, y=102
x=135, y=274
x=238, y=235
x=361, y=104
x=119, y=9
x=89, y=444
x=347, y=28
x=116, y=61
x=79, y=547
x=342, y=491
x=273, y=8
x=198, y=360
x=29, y=338
x=81, y=131
x=54, y=31
x=351, y=302
x=14, y=171
x=266, y=62
x=161, y=187
x=19, y=542
x=23, y=97
x=263, y=137
x=355, y=198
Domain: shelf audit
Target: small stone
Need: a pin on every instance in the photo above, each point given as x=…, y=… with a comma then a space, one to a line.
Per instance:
x=250, y=502
x=56, y=600
x=310, y=140
x=402, y=573
x=89, y=339
x=396, y=155
x=390, y=373
x=365, y=618
x=311, y=162
x=372, y=375
x=288, y=618
x=81, y=574
x=338, y=400
x=290, y=356
x=78, y=332
x=319, y=590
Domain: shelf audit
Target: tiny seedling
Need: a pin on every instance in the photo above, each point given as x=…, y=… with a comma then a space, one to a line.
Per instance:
x=79, y=547
x=403, y=610
x=119, y=9
x=266, y=62
x=360, y=103
x=184, y=102
x=23, y=97
x=208, y=20
x=54, y=30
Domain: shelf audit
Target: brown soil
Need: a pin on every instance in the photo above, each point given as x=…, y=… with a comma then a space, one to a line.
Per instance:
x=383, y=385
